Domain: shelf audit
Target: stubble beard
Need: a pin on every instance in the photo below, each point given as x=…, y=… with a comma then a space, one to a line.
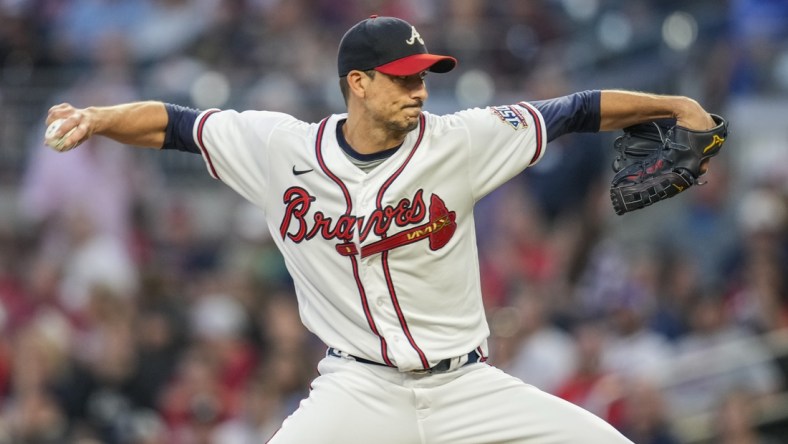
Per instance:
x=402, y=128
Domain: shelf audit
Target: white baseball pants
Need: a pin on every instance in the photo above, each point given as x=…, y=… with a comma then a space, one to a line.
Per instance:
x=355, y=403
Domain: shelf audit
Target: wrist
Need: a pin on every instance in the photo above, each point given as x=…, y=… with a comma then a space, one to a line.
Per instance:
x=689, y=114
x=94, y=118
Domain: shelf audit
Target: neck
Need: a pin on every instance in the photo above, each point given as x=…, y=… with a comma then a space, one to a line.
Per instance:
x=367, y=137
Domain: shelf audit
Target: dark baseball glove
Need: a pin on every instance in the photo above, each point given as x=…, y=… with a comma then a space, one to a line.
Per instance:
x=659, y=160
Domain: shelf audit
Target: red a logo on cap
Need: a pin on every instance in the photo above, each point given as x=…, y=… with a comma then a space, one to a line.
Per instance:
x=414, y=35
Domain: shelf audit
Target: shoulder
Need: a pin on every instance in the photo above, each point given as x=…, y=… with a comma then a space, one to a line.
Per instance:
x=255, y=120
x=257, y=116
x=457, y=120
x=514, y=116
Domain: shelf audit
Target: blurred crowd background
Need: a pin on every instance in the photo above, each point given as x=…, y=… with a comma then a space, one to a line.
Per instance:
x=141, y=302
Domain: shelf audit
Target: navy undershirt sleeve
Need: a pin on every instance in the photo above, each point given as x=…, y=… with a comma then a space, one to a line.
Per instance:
x=575, y=113
x=178, y=135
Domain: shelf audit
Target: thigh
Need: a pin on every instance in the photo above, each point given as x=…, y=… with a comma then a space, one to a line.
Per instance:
x=349, y=404
x=487, y=406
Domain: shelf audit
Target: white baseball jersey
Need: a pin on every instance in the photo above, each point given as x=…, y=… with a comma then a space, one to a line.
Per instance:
x=385, y=263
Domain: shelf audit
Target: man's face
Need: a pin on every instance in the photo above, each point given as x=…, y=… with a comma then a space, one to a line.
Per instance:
x=396, y=101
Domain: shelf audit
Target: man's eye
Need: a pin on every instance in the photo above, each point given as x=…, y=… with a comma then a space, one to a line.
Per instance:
x=413, y=78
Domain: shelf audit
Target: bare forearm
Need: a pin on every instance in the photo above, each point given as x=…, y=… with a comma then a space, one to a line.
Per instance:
x=620, y=109
x=140, y=123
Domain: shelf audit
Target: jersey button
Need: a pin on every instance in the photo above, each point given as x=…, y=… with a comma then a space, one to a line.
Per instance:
x=380, y=302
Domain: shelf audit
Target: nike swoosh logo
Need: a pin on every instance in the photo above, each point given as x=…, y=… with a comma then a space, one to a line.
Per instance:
x=300, y=172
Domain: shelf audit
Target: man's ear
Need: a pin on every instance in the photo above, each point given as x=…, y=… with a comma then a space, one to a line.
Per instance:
x=358, y=82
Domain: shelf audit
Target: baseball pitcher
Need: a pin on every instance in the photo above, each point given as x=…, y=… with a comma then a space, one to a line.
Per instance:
x=373, y=212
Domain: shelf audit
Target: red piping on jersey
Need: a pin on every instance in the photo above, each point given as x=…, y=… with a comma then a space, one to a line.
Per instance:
x=365, y=305
x=331, y=175
x=204, y=150
x=538, y=121
x=379, y=201
x=385, y=256
x=354, y=263
x=482, y=358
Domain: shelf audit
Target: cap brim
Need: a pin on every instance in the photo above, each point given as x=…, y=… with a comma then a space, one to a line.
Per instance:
x=414, y=64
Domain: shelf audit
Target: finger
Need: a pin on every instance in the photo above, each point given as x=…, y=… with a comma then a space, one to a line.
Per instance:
x=709, y=121
x=70, y=122
x=60, y=111
x=79, y=135
x=697, y=122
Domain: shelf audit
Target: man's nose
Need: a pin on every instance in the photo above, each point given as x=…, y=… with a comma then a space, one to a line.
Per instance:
x=419, y=91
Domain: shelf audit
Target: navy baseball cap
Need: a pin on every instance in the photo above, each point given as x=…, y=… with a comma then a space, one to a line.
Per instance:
x=389, y=45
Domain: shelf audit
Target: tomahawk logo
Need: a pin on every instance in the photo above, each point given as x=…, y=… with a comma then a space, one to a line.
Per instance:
x=438, y=230
x=414, y=35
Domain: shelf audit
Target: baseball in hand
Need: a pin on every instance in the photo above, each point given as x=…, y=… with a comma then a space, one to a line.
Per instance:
x=58, y=143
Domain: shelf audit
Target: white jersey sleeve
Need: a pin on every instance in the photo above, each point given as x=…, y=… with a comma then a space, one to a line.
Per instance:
x=504, y=140
x=236, y=147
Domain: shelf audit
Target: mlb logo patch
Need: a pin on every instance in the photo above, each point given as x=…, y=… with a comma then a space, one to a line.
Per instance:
x=510, y=115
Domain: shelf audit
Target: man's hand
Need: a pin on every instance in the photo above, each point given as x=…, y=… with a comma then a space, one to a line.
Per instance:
x=696, y=118
x=67, y=127
x=693, y=117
